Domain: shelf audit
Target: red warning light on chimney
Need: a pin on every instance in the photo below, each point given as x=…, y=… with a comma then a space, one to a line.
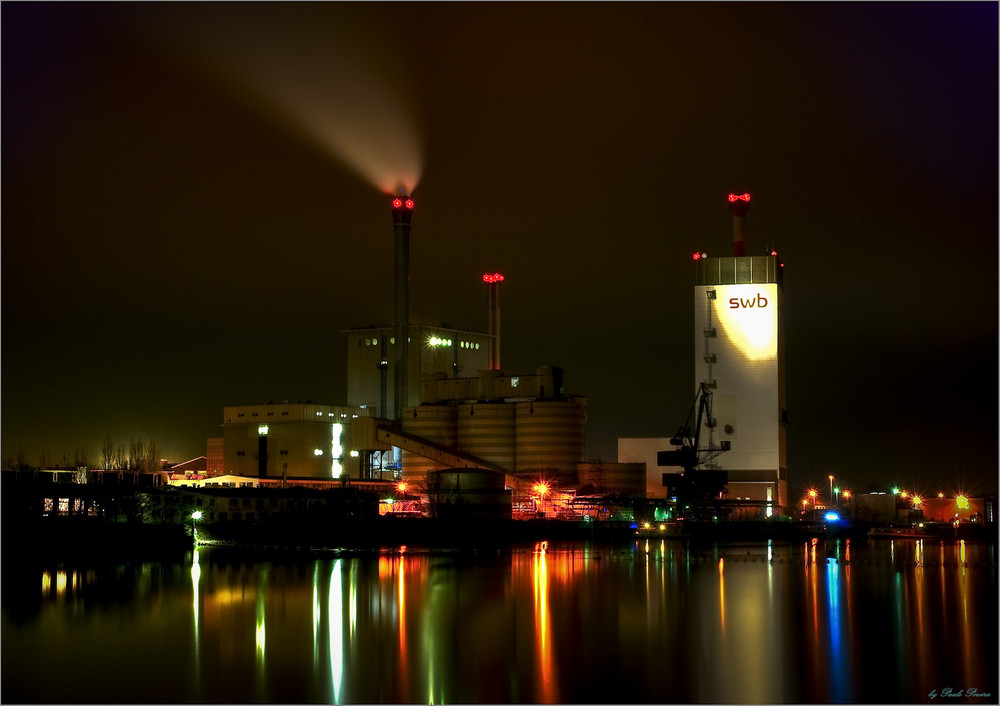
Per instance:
x=398, y=203
x=495, y=277
x=741, y=197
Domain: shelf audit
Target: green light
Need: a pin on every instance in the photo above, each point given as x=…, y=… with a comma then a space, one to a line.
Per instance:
x=895, y=491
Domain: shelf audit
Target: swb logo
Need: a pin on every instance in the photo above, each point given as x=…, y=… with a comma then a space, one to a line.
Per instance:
x=740, y=303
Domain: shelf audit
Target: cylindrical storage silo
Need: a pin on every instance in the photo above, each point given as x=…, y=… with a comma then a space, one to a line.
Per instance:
x=435, y=423
x=468, y=494
x=486, y=431
x=549, y=439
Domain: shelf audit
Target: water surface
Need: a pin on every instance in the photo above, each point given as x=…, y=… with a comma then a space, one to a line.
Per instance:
x=658, y=621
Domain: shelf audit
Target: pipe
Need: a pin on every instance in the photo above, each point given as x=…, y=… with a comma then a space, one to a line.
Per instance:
x=739, y=204
x=493, y=317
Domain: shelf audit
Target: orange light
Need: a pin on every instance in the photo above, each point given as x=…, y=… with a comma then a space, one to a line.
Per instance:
x=904, y=494
x=813, y=494
x=940, y=495
x=846, y=494
x=541, y=488
x=401, y=486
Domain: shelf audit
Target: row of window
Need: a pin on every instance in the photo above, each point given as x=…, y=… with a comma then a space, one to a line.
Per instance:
x=433, y=341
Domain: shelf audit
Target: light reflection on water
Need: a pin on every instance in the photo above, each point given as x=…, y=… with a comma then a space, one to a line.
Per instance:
x=662, y=621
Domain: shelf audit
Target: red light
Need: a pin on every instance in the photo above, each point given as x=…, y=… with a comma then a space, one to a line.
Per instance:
x=745, y=197
x=495, y=277
x=741, y=197
x=409, y=203
x=397, y=203
x=696, y=256
x=732, y=197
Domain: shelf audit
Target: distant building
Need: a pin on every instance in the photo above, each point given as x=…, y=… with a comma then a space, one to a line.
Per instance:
x=644, y=450
x=215, y=457
x=301, y=440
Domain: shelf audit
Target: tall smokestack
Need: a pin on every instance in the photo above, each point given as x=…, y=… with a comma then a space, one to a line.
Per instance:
x=493, y=294
x=738, y=206
x=402, y=210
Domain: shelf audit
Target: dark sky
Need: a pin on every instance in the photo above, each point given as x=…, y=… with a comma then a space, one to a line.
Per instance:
x=193, y=210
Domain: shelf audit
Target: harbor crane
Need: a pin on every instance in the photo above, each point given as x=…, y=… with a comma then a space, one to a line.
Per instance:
x=692, y=487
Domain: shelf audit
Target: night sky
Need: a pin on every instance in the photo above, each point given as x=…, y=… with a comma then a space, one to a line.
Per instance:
x=194, y=207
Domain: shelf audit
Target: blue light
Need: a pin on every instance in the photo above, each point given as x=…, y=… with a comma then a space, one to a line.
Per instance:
x=831, y=517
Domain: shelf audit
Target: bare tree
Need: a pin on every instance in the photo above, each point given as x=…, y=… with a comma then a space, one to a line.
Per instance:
x=108, y=457
x=80, y=459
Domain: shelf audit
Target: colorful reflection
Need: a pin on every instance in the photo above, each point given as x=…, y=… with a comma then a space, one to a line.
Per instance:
x=809, y=622
x=543, y=624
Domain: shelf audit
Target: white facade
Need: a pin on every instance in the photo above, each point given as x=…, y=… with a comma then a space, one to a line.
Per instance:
x=739, y=354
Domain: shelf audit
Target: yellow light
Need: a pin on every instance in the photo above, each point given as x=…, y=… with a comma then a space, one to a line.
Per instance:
x=962, y=502
x=846, y=494
x=645, y=525
x=904, y=494
x=812, y=494
x=748, y=314
x=401, y=486
x=541, y=488
x=917, y=500
x=940, y=495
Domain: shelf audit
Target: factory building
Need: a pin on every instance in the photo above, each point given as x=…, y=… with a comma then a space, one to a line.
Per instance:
x=523, y=427
x=739, y=357
x=300, y=440
x=371, y=362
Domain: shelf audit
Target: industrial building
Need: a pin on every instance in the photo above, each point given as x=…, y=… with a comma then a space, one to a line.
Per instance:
x=290, y=439
x=739, y=357
x=371, y=362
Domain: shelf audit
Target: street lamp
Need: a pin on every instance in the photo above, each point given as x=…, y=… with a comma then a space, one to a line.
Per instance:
x=542, y=490
x=832, y=502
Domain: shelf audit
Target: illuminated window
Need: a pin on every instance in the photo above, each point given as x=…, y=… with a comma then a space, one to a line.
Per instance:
x=318, y=452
